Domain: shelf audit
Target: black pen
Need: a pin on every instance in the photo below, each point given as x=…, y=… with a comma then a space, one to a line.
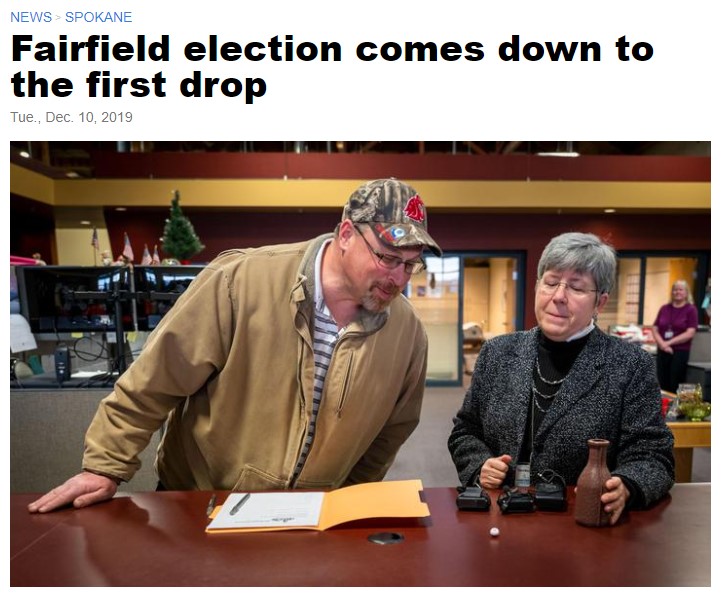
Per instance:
x=240, y=503
x=211, y=505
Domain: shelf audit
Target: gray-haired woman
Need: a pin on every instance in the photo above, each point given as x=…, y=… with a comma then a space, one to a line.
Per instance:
x=537, y=396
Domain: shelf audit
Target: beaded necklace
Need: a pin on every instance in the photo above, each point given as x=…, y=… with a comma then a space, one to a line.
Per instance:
x=551, y=383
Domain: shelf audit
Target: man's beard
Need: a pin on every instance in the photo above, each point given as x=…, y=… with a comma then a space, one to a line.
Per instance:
x=373, y=303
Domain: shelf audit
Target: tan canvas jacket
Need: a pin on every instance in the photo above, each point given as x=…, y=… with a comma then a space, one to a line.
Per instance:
x=230, y=371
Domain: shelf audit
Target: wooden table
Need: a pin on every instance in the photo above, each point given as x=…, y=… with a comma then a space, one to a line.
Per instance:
x=158, y=539
x=688, y=435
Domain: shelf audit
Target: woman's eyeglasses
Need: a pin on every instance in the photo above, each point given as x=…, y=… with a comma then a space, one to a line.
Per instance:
x=549, y=288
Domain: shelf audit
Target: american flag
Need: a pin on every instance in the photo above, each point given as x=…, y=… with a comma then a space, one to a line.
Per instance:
x=94, y=240
x=156, y=258
x=147, y=260
x=127, y=249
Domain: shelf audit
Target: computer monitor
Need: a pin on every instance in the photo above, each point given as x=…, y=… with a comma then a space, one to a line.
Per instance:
x=158, y=288
x=58, y=299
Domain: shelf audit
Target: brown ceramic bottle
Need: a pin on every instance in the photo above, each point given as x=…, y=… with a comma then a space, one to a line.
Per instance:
x=588, y=508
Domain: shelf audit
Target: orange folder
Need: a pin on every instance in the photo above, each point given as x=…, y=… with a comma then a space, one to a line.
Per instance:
x=383, y=499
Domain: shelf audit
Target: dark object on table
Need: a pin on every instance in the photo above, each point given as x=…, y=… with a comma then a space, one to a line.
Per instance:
x=550, y=492
x=551, y=496
x=473, y=498
x=514, y=501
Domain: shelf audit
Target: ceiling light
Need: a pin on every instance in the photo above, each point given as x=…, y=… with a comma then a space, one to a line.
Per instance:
x=559, y=154
x=564, y=150
x=85, y=222
x=610, y=210
x=72, y=174
x=24, y=154
x=120, y=208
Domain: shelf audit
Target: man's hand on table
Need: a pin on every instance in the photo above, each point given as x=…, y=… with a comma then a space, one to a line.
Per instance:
x=81, y=490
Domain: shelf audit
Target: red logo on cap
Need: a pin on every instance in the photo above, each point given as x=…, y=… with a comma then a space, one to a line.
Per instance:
x=414, y=208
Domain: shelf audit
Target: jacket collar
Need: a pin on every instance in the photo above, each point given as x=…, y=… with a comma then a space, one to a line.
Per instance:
x=304, y=292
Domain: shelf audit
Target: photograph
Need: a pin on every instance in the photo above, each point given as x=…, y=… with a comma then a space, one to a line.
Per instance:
x=478, y=352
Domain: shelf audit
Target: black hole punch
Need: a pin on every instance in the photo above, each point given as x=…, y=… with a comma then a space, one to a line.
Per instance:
x=386, y=537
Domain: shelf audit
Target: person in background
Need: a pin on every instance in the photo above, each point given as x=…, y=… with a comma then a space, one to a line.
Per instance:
x=536, y=397
x=289, y=366
x=673, y=330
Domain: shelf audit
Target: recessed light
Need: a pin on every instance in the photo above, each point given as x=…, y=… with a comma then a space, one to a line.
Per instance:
x=610, y=210
x=85, y=222
x=120, y=208
x=72, y=174
x=559, y=154
x=24, y=154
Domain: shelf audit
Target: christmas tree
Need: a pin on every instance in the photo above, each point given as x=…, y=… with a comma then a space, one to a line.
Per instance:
x=179, y=237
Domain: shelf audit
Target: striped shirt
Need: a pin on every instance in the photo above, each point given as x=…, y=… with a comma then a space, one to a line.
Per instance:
x=325, y=336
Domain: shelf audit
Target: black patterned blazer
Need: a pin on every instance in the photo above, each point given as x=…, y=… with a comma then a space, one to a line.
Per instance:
x=611, y=392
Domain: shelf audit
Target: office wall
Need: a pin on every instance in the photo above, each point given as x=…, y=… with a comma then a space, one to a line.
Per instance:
x=476, y=203
x=74, y=246
x=221, y=229
x=476, y=231
x=32, y=228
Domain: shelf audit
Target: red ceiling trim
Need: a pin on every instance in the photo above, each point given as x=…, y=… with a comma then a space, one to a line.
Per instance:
x=275, y=165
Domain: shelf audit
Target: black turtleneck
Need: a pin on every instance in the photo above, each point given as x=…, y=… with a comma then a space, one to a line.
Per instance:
x=552, y=365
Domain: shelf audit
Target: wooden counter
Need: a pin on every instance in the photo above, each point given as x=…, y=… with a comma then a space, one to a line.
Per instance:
x=688, y=435
x=158, y=539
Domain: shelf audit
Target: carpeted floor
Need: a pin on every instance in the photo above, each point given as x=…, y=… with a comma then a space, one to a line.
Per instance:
x=425, y=456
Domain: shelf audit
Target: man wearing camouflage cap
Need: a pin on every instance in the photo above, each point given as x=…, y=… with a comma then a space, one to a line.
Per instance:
x=289, y=366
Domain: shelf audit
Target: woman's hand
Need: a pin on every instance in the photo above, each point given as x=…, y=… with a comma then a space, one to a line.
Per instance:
x=615, y=498
x=493, y=471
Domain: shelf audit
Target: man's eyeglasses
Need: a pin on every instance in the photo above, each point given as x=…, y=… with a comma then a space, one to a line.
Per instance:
x=389, y=261
x=548, y=288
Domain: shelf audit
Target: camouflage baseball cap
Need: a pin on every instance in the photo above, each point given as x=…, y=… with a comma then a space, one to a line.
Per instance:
x=394, y=211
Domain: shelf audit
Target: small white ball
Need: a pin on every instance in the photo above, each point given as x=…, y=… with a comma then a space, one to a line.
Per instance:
x=494, y=532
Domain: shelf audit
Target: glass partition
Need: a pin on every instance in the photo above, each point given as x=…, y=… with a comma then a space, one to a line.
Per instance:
x=435, y=296
x=622, y=308
x=491, y=294
x=463, y=300
x=643, y=285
